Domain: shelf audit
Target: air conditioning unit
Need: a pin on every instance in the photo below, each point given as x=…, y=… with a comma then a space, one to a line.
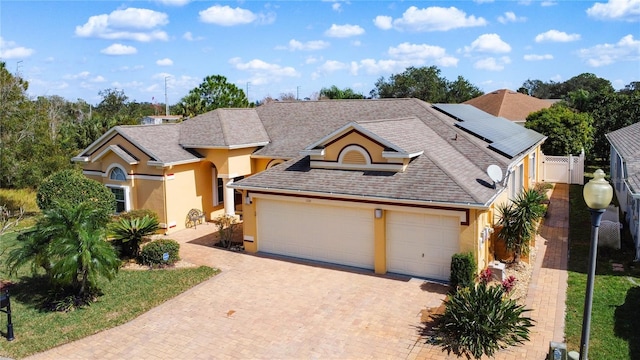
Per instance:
x=557, y=351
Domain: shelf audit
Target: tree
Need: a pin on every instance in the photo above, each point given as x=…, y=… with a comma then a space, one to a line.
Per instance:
x=335, y=93
x=561, y=90
x=213, y=93
x=567, y=131
x=425, y=83
x=72, y=246
x=128, y=234
x=519, y=220
x=70, y=187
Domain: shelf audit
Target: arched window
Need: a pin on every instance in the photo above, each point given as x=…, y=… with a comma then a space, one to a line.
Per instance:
x=117, y=174
x=354, y=155
x=273, y=163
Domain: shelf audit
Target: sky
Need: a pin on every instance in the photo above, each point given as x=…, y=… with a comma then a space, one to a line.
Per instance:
x=157, y=48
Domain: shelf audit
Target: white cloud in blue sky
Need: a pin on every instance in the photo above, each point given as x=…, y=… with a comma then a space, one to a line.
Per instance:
x=271, y=48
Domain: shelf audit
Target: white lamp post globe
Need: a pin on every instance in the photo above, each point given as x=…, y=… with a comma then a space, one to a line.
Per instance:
x=597, y=192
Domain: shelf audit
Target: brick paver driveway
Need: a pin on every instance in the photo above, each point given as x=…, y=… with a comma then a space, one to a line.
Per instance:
x=266, y=308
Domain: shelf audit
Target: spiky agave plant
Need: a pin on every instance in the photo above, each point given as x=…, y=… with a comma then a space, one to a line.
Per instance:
x=127, y=234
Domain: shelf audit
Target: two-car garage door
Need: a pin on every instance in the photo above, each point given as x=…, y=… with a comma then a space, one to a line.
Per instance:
x=416, y=244
x=317, y=232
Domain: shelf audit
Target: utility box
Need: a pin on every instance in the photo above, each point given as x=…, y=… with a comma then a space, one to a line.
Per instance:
x=497, y=270
x=557, y=351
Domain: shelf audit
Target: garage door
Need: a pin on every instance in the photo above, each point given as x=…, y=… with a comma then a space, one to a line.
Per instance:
x=317, y=232
x=421, y=245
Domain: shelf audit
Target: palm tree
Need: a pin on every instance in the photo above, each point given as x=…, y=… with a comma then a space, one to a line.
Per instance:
x=69, y=241
x=519, y=220
x=127, y=234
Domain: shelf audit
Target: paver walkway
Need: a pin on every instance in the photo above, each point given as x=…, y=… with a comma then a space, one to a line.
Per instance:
x=263, y=308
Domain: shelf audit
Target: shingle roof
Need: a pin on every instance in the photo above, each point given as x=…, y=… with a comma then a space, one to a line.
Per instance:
x=223, y=128
x=160, y=142
x=509, y=104
x=627, y=143
x=451, y=170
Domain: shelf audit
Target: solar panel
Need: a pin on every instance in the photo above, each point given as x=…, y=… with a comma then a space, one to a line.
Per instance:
x=503, y=135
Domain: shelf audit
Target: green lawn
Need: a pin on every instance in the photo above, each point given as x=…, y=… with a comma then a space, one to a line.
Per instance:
x=615, y=321
x=129, y=295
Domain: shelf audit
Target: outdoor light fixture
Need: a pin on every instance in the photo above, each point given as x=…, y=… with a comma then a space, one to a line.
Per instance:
x=378, y=213
x=597, y=194
x=247, y=199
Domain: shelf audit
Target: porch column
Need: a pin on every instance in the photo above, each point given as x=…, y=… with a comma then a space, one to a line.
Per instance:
x=229, y=205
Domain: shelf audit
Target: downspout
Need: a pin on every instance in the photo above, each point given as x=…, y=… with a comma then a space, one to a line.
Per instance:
x=164, y=195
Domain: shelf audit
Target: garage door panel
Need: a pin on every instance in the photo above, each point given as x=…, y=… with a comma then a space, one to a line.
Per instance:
x=421, y=244
x=316, y=232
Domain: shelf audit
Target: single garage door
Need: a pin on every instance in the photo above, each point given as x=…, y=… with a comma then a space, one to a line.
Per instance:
x=317, y=232
x=421, y=245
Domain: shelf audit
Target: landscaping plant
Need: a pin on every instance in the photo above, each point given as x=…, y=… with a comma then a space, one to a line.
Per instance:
x=463, y=271
x=226, y=225
x=152, y=254
x=480, y=320
x=69, y=242
x=519, y=220
x=128, y=233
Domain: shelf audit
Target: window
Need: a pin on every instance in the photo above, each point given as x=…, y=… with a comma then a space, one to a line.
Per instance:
x=121, y=201
x=220, y=191
x=117, y=174
x=532, y=166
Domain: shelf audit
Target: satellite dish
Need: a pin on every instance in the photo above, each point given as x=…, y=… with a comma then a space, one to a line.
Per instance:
x=495, y=173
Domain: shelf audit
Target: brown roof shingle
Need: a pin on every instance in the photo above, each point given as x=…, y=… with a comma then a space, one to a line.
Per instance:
x=509, y=104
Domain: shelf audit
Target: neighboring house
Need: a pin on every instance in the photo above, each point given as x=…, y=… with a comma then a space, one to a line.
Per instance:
x=160, y=119
x=391, y=185
x=625, y=175
x=509, y=104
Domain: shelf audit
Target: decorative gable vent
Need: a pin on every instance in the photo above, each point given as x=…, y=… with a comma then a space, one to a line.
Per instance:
x=354, y=155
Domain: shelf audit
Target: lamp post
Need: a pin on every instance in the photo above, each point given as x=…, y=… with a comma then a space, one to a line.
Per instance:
x=597, y=194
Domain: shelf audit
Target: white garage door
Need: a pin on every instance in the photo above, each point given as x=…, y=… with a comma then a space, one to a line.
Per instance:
x=421, y=245
x=317, y=232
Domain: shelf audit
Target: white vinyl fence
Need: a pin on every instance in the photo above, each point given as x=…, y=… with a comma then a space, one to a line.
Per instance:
x=563, y=169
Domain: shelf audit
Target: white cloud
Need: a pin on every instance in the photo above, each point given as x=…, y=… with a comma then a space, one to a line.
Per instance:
x=548, y=3
x=164, y=62
x=189, y=37
x=330, y=66
x=306, y=46
x=336, y=7
x=10, y=50
x=312, y=60
x=98, y=79
x=437, y=54
x=492, y=64
x=627, y=49
x=536, y=57
x=556, y=36
x=625, y=10
x=263, y=72
x=119, y=49
x=383, y=22
x=128, y=24
x=378, y=67
x=483, y=1
x=343, y=31
x=488, y=43
x=174, y=2
x=228, y=16
x=510, y=17
x=80, y=75
x=436, y=19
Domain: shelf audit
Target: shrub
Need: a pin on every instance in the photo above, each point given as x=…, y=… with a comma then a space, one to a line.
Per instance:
x=479, y=320
x=518, y=221
x=139, y=213
x=72, y=188
x=463, y=270
x=152, y=253
x=226, y=225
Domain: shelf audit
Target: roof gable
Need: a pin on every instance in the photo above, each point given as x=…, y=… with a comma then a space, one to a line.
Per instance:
x=224, y=128
x=509, y=104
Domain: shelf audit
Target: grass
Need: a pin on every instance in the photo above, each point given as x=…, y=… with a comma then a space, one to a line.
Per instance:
x=616, y=297
x=25, y=199
x=129, y=295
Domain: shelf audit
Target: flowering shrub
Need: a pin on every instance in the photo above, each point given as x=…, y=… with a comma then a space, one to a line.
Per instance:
x=485, y=276
x=509, y=283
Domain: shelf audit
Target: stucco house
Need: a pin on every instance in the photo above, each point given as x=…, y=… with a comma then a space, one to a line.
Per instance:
x=390, y=185
x=625, y=176
x=509, y=104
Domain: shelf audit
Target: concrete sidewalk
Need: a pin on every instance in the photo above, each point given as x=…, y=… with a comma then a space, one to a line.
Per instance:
x=263, y=308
